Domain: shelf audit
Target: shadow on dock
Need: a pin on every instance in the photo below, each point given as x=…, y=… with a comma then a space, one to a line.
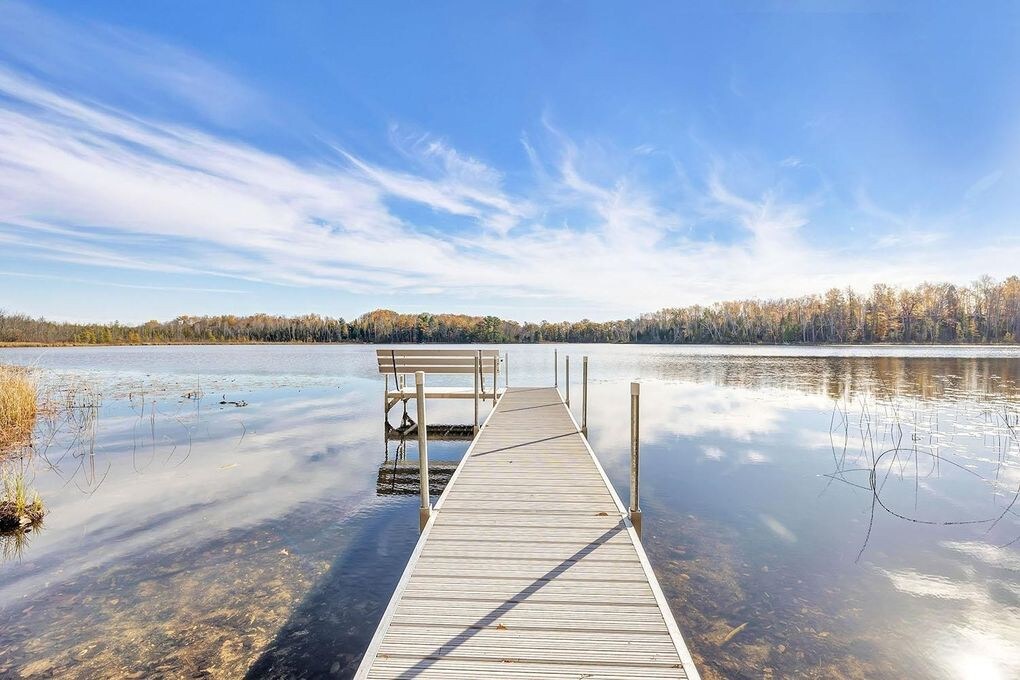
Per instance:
x=491, y=620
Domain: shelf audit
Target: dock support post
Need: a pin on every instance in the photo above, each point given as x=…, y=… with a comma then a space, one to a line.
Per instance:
x=423, y=452
x=556, y=368
x=584, y=395
x=506, y=370
x=386, y=414
x=567, y=378
x=495, y=378
x=635, y=455
x=477, y=371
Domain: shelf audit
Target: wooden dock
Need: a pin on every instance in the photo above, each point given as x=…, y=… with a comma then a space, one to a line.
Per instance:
x=528, y=567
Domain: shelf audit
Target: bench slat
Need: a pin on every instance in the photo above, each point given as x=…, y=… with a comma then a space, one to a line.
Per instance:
x=430, y=361
x=403, y=369
x=436, y=352
x=431, y=368
x=437, y=361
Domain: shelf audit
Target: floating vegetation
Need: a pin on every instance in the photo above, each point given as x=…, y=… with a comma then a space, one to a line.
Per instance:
x=17, y=407
x=238, y=403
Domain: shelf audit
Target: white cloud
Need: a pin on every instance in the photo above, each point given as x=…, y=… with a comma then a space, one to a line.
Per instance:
x=139, y=286
x=137, y=67
x=981, y=640
x=982, y=185
x=591, y=231
x=712, y=453
x=993, y=555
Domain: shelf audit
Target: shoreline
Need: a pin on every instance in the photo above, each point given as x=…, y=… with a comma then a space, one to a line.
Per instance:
x=43, y=345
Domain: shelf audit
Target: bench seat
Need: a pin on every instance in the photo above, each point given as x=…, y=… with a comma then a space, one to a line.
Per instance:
x=480, y=367
x=444, y=393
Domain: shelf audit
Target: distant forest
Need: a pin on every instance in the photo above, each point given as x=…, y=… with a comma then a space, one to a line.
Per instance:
x=984, y=312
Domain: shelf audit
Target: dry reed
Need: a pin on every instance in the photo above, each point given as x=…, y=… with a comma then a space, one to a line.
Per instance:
x=18, y=409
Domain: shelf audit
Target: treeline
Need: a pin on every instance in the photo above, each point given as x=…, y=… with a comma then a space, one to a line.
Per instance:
x=984, y=312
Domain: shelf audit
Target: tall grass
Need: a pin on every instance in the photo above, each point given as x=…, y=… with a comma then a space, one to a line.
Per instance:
x=15, y=492
x=18, y=408
x=19, y=506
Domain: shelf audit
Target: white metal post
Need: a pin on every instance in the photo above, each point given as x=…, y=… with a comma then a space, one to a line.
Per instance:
x=479, y=374
x=556, y=368
x=495, y=377
x=635, y=454
x=477, y=370
x=386, y=411
x=584, y=395
x=567, y=378
x=423, y=451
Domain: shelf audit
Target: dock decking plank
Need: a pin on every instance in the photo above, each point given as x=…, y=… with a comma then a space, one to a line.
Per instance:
x=529, y=567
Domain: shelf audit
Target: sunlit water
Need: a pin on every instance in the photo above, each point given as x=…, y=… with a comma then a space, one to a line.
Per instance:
x=191, y=538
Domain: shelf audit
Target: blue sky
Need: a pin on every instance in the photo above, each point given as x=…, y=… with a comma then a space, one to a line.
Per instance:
x=532, y=160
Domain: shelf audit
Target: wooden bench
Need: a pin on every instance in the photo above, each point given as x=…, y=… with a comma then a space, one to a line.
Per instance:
x=400, y=363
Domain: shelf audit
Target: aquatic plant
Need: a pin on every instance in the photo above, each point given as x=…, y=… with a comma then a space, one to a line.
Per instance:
x=14, y=543
x=69, y=415
x=918, y=441
x=19, y=506
x=17, y=407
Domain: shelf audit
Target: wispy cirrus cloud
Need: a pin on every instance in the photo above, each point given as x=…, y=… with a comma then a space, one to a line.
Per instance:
x=592, y=231
x=134, y=286
x=100, y=60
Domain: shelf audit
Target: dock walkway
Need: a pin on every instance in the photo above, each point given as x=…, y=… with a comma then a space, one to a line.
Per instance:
x=528, y=567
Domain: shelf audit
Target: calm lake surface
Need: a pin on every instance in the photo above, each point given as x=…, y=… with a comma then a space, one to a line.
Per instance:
x=190, y=538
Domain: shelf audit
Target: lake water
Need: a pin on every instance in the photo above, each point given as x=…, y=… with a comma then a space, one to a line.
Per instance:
x=190, y=538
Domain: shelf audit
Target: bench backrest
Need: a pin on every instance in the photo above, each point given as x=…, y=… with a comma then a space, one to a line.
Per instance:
x=399, y=361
